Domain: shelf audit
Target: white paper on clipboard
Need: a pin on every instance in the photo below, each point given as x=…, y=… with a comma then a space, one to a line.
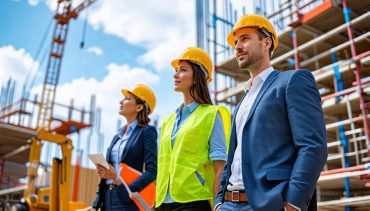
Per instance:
x=99, y=159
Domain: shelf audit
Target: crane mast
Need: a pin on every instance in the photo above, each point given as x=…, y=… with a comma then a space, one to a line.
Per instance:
x=63, y=15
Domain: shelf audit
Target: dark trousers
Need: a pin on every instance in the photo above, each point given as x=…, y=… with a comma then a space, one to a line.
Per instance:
x=313, y=203
x=189, y=206
x=113, y=203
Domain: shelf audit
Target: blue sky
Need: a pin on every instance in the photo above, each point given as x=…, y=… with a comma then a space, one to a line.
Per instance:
x=25, y=27
x=125, y=44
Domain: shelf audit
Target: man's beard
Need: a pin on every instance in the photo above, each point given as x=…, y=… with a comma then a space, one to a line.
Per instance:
x=251, y=62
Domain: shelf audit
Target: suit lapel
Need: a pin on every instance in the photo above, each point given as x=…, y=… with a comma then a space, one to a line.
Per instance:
x=129, y=142
x=264, y=87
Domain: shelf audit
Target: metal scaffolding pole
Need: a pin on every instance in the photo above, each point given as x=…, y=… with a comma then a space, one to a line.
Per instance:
x=317, y=40
x=357, y=74
x=215, y=49
x=293, y=34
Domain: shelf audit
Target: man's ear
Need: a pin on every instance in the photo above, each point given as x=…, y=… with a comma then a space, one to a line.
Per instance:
x=139, y=108
x=268, y=43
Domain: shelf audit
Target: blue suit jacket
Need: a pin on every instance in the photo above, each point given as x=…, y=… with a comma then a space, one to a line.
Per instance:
x=284, y=143
x=141, y=148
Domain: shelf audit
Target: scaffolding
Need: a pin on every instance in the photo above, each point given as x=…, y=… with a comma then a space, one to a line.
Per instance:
x=331, y=38
x=18, y=127
x=26, y=125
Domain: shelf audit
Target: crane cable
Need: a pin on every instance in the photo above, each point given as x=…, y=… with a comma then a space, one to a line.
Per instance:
x=33, y=65
x=82, y=43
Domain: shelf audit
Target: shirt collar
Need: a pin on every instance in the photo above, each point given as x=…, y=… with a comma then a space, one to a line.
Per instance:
x=130, y=128
x=262, y=76
x=191, y=107
x=133, y=125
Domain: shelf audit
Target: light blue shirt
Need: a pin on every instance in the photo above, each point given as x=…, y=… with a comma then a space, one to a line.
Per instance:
x=119, y=146
x=217, y=142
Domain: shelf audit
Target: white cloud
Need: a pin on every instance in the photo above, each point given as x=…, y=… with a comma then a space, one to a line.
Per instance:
x=161, y=55
x=138, y=24
x=33, y=2
x=51, y=4
x=165, y=29
x=95, y=50
x=15, y=64
x=107, y=91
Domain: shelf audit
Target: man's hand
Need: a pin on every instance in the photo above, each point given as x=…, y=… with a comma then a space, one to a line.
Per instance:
x=218, y=206
x=289, y=207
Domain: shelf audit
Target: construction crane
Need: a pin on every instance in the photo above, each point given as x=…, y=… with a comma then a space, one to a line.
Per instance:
x=55, y=197
x=64, y=14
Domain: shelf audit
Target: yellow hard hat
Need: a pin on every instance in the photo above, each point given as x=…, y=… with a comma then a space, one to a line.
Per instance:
x=197, y=55
x=252, y=21
x=144, y=93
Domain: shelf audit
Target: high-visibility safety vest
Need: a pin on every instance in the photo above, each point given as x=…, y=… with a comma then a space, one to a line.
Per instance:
x=185, y=169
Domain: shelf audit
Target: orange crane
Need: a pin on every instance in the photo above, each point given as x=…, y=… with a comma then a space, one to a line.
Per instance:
x=64, y=14
x=55, y=197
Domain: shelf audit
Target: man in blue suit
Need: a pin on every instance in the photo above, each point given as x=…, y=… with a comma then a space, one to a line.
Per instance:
x=278, y=140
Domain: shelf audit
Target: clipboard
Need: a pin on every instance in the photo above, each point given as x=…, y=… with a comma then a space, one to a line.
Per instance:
x=99, y=159
x=143, y=199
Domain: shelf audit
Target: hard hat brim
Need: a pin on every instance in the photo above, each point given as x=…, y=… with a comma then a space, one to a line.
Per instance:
x=231, y=37
x=126, y=91
x=175, y=64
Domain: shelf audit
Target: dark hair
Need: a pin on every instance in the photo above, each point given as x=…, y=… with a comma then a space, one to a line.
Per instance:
x=142, y=116
x=262, y=35
x=199, y=90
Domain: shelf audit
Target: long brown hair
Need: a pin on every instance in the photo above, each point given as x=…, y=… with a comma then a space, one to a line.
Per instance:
x=142, y=116
x=199, y=90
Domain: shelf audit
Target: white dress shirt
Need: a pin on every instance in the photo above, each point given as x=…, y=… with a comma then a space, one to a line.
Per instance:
x=252, y=88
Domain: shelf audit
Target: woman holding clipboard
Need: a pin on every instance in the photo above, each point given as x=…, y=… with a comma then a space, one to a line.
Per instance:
x=136, y=145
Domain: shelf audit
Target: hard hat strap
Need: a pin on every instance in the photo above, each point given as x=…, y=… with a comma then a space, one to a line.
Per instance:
x=265, y=32
x=268, y=34
x=141, y=101
x=146, y=107
x=202, y=68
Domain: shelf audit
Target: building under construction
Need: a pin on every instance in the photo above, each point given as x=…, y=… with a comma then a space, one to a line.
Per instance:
x=331, y=38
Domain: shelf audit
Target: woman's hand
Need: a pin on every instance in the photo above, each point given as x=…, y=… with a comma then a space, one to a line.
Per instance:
x=106, y=173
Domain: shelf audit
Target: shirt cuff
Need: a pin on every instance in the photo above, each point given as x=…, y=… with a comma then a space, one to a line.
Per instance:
x=218, y=157
x=295, y=207
x=217, y=205
x=118, y=174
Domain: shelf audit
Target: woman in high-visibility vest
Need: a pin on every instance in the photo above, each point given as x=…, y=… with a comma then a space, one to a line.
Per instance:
x=193, y=140
x=135, y=145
